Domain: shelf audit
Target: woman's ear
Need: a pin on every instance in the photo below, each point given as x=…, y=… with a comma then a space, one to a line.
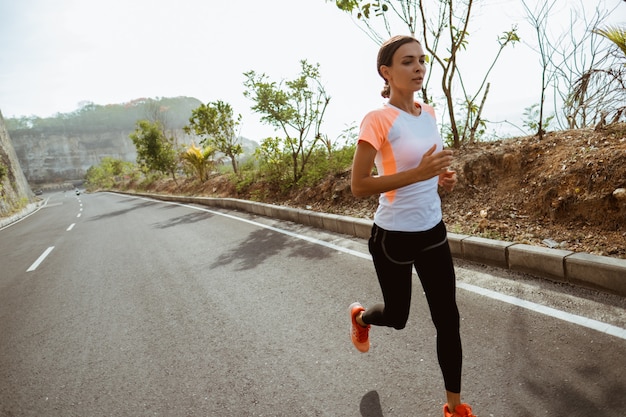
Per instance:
x=384, y=71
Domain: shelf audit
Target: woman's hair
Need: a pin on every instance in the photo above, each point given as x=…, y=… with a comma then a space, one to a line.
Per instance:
x=385, y=56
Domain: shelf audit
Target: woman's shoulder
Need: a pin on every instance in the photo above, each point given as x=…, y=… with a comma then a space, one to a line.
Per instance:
x=381, y=113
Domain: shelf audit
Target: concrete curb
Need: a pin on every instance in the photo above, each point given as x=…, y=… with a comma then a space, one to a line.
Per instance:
x=27, y=211
x=582, y=269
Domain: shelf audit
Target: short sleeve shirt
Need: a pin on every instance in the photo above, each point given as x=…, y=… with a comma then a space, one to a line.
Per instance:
x=400, y=140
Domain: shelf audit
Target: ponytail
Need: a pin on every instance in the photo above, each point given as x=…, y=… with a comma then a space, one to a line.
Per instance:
x=386, y=91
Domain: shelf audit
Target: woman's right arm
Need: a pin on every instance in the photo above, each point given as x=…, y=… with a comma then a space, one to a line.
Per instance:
x=364, y=184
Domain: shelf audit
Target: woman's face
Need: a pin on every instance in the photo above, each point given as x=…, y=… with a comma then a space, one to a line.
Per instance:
x=407, y=68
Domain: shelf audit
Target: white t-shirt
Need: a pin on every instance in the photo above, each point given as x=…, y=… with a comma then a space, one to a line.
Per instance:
x=401, y=139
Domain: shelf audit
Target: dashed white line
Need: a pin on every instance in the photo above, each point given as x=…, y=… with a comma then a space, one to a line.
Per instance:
x=71, y=227
x=40, y=259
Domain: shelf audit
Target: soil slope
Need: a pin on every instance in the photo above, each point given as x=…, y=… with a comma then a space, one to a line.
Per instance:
x=566, y=191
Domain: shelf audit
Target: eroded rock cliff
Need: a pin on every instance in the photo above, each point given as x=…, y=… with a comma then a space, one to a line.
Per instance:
x=63, y=147
x=15, y=193
x=50, y=158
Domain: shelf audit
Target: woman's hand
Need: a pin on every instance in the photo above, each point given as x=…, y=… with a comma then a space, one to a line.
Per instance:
x=448, y=180
x=434, y=164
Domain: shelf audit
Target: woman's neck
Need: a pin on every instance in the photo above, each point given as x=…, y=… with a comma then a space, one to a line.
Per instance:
x=405, y=103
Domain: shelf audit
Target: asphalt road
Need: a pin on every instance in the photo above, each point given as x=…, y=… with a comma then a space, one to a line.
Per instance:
x=119, y=306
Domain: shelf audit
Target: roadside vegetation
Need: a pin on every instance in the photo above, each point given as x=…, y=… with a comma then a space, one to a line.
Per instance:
x=555, y=173
x=585, y=68
x=301, y=154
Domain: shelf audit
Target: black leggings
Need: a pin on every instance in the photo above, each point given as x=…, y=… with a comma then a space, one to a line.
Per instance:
x=394, y=255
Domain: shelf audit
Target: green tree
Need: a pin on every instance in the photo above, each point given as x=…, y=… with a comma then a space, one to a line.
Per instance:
x=214, y=122
x=108, y=172
x=155, y=151
x=296, y=108
x=444, y=36
x=535, y=121
x=273, y=161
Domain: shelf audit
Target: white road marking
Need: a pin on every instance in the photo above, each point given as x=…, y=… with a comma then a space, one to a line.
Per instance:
x=40, y=259
x=71, y=227
x=538, y=308
x=548, y=311
x=78, y=215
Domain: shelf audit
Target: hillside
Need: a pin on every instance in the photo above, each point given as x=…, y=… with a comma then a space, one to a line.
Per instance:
x=566, y=191
x=63, y=147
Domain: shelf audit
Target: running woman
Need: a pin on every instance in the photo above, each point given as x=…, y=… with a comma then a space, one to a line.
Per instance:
x=402, y=141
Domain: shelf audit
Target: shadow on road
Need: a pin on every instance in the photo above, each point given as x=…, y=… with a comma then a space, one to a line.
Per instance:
x=122, y=211
x=262, y=244
x=186, y=219
x=370, y=405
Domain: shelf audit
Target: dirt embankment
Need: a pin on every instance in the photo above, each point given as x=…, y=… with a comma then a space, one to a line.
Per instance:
x=566, y=191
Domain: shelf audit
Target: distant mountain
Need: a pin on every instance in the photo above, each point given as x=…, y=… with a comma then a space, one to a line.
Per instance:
x=92, y=118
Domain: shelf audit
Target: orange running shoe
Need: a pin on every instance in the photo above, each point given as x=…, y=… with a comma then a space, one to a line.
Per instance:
x=359, y=334
x=461, y=410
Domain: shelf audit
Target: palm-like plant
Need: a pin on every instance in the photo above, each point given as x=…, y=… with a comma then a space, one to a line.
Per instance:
x=597, y=95
x=201, y=160
x=615, y=34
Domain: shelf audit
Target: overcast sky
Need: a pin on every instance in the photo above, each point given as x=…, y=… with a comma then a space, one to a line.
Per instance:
x=55, y=54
